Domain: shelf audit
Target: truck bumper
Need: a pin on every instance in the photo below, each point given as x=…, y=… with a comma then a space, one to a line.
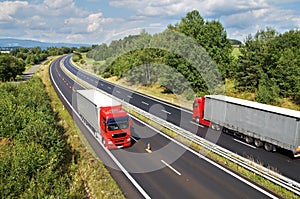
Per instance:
x=118, y=144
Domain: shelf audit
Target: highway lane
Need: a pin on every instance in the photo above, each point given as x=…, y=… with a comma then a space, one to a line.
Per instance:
x=170, y=171
x=182, y=117
x=64, y=83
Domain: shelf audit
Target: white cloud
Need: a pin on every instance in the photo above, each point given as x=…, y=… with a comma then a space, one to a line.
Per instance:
x=94, y=22
x=65, y=20
x=59, y=3
x=241, y=24
x=8, y=9
x=91, y=23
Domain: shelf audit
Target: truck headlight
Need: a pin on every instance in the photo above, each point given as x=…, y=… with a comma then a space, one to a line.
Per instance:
x=110, y=142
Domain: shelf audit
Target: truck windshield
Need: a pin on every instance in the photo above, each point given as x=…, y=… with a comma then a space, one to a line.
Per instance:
x=117, y=123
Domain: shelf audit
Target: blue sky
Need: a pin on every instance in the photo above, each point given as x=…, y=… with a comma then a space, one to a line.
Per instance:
x=98, y=21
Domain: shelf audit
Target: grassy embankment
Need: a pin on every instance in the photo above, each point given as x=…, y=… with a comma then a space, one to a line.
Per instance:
x=88, y=169
x=156, y=92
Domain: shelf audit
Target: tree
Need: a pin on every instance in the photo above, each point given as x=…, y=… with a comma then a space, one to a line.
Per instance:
x=270, y=65
x=211, y=35
x=10, y=67
x=76, y=56
x=190, y=25
x=268, y=91
x=258, y=57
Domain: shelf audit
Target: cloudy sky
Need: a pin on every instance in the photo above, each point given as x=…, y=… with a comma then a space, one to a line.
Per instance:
x=98, y=21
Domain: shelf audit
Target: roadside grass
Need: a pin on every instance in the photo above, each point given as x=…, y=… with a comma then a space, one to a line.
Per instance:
x=229, y=87
x=88, y=169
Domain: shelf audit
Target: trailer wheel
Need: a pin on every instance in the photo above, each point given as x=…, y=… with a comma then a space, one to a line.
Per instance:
x=268, y=147
x=225, y=130
x=258, y=143
x=248, y=139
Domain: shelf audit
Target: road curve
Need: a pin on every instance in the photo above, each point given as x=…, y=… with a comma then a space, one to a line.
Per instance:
x=171, y=170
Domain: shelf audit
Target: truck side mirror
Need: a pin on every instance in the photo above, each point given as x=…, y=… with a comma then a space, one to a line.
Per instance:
x=104, y=124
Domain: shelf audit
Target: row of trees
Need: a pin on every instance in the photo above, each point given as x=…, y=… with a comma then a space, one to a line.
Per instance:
x=268, y=64
x=14, y=63
x=192, y=55
x=35, y=157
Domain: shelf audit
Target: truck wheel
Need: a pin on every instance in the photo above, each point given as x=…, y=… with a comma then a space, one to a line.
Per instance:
x=268, y=147
x=216, y=127
x=258, y=143
x=248, y=139
x=225, y=130
x=102, y=140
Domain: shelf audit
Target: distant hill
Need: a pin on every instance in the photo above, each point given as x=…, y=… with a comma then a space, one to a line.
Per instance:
x=235, y=42
x=17, y=43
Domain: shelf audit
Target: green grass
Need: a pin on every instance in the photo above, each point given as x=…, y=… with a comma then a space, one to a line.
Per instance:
x=236, y=52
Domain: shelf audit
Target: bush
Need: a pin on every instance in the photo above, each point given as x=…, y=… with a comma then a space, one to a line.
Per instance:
x=34, y=154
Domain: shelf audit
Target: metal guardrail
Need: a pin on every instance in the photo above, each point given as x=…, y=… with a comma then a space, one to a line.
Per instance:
x=272, y=176
x=258, y=169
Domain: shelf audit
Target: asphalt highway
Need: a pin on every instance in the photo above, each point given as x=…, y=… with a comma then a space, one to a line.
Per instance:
x=280, y=161
x=171, y=170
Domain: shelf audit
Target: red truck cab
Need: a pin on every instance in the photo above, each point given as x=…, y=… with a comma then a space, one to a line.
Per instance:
x=115, y=126
x=198, y=111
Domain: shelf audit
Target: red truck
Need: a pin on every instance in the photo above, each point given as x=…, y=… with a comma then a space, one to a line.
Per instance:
x=259, y=124
x=105, y=117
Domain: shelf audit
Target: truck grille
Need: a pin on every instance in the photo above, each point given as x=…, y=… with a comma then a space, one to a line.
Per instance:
x=118, y=135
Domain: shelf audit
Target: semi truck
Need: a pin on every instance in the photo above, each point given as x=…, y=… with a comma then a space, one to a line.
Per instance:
x=105, y=116
x=259, y=124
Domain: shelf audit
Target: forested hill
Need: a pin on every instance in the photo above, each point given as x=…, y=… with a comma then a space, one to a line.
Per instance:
x=268, y=64
x=10, y=43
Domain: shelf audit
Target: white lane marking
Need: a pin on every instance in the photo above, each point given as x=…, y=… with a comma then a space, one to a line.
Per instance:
x=244, y=143
x=211, y=162
x=118, y=91
x=126, y=173
x=170, y=167
x=166, y=111
x=101, y=84
x=109, y=87
x=145, y=103
x=129, y=96
x=133, y=138
x=197, y=124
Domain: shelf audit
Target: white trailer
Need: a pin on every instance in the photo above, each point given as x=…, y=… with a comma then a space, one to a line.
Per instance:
x=106, y=117
x=89, y=103
x=265, y=125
